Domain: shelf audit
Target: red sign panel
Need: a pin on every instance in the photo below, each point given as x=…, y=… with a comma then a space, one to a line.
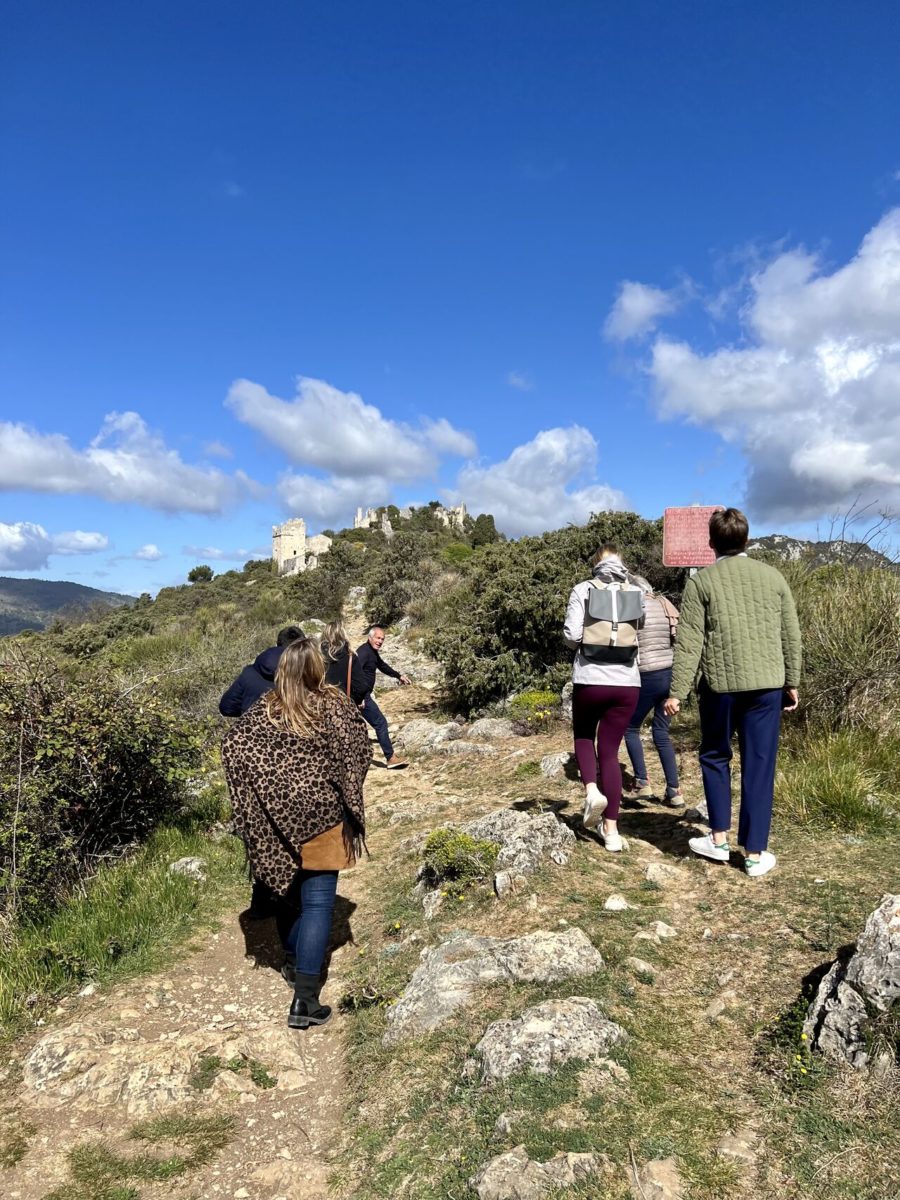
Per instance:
x=686, y=536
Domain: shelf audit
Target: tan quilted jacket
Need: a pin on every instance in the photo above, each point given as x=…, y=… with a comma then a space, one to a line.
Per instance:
x=739, y=628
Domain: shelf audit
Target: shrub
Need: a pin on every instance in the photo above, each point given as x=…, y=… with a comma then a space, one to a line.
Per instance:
x=451, y=855
x=850, y=619
x=842, y=781
x=86, y=769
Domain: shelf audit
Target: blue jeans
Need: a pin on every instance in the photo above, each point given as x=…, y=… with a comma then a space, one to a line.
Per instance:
x=756, y=716
x=654, y=693
x=378, y=721
x=305, y=935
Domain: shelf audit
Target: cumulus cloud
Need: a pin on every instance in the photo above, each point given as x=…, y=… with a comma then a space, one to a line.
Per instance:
x=331, y=501
x=149, y=553
x=125, y=463
x=811, y=397
x=537, y=487
x=637, y=310
x=336, y=431
x=26, y=546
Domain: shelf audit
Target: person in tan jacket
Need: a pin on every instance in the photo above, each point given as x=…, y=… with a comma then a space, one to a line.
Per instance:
x=656, y=641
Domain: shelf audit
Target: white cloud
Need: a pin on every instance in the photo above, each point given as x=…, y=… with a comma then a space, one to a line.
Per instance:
x=522, y=381
x=217, y=449
x=637, y=310
x=331, y=502
x=26, y=546
x=812, y=400
x=337, y=432
x=535, y=489
x=215, y=553
x=125, y=463
x=149, y=553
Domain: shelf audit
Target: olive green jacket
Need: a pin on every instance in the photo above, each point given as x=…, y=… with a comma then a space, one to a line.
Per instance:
x=739, y=628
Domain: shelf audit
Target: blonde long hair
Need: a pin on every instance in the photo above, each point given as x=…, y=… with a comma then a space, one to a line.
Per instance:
x=296, y=702
x=334, y=639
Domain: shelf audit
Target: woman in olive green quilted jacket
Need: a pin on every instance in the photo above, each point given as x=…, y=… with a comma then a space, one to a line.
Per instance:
x=740, y=634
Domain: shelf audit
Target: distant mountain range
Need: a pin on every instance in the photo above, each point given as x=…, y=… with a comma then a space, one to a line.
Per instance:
x=35, y=603
x=820, y=554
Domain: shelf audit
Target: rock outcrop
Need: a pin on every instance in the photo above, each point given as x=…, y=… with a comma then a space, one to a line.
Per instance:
x=515, y=1176
x=488, y=729
x=562, y=763
x=546, y=1037
x=427, y=735
x=867, y=983
x=446, y=977
x=526, y=841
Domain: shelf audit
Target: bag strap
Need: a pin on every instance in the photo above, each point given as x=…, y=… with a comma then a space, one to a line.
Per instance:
x=349, y=668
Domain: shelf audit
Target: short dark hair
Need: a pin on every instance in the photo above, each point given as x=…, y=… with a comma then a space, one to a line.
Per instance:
x=729, y=530
x=290, y=633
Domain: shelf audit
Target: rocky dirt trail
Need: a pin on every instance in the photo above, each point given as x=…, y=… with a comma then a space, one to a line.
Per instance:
x=207, y=1035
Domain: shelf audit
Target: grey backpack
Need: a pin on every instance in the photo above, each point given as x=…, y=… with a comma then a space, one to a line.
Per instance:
x=613, y=613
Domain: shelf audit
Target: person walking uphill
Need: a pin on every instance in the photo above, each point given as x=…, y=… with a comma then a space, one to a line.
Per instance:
x=655, y=655
x=342, y=667
x=258, y=677
x=370, y=661
x=295, y=764
x=739, y=627
x=602, y=620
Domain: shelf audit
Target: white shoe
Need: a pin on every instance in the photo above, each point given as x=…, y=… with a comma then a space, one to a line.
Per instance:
x=707, y=848
x=594, y=808
x=763, y=867
x=612, y=841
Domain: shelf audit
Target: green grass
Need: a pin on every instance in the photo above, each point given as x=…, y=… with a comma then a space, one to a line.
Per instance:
x=124, y=920
x=99, y=1172
x=846, y=781
x=211, y=1065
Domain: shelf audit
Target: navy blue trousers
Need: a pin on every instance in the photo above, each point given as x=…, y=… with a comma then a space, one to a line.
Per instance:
x=756, y=718
x=378, y=721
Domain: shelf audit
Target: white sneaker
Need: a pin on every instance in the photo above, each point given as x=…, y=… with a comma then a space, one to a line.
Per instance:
x=612, y=841
x=707, y=848
x=763, y=867
x=594, y=808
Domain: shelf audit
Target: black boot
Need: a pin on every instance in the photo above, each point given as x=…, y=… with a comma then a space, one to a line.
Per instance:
x=306, y=1009
x=289, y=970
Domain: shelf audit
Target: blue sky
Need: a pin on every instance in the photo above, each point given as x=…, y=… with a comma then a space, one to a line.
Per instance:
x=291, y=258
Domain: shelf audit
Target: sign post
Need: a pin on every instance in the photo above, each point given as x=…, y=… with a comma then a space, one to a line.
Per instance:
x=686, y=536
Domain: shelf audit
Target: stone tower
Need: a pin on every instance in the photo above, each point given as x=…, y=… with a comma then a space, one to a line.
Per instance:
x=289, y=546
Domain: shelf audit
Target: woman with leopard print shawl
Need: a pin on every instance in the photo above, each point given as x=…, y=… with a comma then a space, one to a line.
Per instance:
x=295, y=765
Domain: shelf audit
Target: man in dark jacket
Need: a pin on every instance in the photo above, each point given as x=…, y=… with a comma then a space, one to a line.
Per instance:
x=257, y=678
x=371, y=661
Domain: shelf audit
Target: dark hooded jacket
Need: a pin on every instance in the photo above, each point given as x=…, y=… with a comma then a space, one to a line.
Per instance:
x=336, y=673
x=252, y=682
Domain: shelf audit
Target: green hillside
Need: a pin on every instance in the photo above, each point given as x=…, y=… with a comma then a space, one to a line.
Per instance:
x=34, y=603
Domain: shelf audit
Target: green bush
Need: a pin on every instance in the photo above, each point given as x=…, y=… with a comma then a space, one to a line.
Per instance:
x=451, y=855
x=86, y=769
x=850, y=619
x=501, y=628
x=846, y=781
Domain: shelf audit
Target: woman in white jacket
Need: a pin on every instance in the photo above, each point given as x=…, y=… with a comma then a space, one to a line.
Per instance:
x=607, y=683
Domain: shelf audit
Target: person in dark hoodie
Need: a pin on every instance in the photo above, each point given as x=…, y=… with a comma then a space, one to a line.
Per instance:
x=258, y=677
x=369, y=658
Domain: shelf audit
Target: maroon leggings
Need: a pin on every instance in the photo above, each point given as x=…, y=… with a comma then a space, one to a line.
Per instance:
x=602, y=712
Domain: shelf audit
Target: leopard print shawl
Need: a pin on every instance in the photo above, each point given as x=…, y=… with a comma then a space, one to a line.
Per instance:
x=286, y=789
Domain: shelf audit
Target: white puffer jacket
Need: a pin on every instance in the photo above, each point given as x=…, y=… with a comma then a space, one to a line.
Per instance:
x=655, y=639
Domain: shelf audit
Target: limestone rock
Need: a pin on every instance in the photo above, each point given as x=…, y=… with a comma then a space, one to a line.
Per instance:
x=525, y=840
x=720, y=1005
x=562, y=763
x=545, y=1037
x=616, y=903
x=662, y=873
x=658, y=1180
x=431, y=904
x=471, y=749
x=426, y=735
x=640, y=966
x=838, y=1017
x=739, y=1147
x=656, y=932
x=447, y=975
x=193, y=868
x=488, y=729
x=566, y=698
x=514, y=1176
